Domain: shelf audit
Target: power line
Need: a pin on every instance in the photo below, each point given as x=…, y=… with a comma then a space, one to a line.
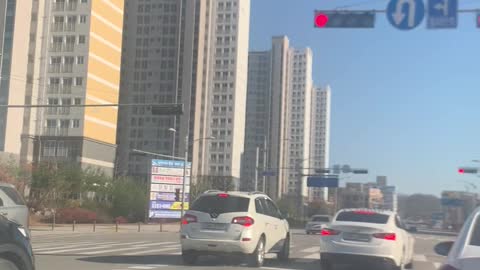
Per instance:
x=92, y=105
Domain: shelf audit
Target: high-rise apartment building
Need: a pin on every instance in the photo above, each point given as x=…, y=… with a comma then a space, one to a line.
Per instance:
x=266, y=124
x=61, y=52
x=191, y=52
x=299, y=118
x=319, y=137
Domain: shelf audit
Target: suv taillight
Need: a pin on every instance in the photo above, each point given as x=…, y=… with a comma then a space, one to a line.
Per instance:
x=329, y=232
x=245, y=221
x=386, y=236
x=187, y=219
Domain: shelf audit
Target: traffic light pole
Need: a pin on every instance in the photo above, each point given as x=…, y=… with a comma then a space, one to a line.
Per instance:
x=184, y=175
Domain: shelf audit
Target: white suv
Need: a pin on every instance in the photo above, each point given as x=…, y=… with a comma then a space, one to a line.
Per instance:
x=228, y=223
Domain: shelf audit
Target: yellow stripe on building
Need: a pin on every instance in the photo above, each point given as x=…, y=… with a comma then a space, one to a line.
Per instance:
x=103, y=9
x=101, y=49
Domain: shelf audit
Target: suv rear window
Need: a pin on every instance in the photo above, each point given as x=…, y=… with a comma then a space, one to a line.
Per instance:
x=220, y=204
x=321, y=219
x=13, y=195
x=363, y=216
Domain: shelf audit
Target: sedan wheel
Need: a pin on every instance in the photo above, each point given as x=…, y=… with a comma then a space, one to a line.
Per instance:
x=7, y=265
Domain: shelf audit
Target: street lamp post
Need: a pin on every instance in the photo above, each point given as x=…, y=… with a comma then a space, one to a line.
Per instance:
x=174, y=131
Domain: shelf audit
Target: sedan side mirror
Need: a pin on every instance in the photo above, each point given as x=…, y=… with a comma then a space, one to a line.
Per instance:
x=443, y=248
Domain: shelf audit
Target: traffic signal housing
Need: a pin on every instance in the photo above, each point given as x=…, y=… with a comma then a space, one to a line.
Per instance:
x=464, y=170
x=344, y=19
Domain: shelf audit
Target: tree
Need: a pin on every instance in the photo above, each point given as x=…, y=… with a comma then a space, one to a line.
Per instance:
x=319, y=208
x=129, y=199
x=288, y=205
x=422, y=206
x=210, y=182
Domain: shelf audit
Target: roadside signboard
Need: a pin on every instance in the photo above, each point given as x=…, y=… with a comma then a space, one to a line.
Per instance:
x=166, y=188
x=405, y=14
x=322, y=181
x=442, y=14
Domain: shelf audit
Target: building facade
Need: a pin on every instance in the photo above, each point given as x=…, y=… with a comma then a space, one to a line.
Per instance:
x=320, y=137
x=189, y=52
x=61, y=52
x=300, y=87
x=266, y=123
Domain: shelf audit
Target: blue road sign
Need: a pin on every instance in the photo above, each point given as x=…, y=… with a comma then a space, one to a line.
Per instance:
x=405, y=14
x=442, y=14
x=322, y=181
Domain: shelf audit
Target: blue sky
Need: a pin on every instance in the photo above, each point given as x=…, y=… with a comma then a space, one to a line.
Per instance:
x=405, y=104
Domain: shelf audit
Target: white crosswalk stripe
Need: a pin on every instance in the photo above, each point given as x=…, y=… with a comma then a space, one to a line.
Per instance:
x=310, y=250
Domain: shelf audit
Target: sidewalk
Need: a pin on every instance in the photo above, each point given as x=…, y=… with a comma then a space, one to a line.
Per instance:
x=89, y=228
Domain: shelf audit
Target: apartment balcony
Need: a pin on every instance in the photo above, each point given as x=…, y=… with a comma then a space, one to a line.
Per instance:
x=66, y=89
x=67, y=68
x=54, y=68
x=55, y=131
x=55, y=47
x=70, y=27
x=51, y=111
x=71, y=6
x=57, y=27
x=69, y=47
x=63, y=111
x=58, y=6
x=53, y=88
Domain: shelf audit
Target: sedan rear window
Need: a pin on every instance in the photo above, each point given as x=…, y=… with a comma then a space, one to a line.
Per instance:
x=363, y=216
x=13, y=195
x=221, y=204
x=320, y=219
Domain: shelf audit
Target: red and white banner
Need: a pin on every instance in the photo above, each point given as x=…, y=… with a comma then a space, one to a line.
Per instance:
x=174, y=180
x=170, y=171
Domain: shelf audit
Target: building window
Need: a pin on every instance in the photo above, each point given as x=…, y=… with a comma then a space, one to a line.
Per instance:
x=78, y=81
x=84, y=1
x=75, y=123
x=80, y=60
x=78, y=101
x=81, y=39
x=83, y=19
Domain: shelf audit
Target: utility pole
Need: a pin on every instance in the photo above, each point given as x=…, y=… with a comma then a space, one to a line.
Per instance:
x=184, y=175
x=255, y=182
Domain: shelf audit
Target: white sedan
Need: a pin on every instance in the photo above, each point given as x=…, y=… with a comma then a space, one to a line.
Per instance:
x=366, y=236
x=464, y=254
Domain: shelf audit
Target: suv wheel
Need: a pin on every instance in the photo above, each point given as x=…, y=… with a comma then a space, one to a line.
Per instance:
x=257, y=258
x=7, y=265
x=189, y=257
x=285, y=253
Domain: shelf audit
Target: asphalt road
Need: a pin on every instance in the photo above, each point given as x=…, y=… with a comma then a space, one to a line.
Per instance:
x=150, y=250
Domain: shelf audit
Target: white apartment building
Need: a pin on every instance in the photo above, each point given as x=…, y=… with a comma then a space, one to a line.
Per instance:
x=320, y=137
x=299, y=120
x=193, y=52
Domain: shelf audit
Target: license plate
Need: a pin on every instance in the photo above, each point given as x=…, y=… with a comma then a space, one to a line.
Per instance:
x=213, y=226
x=356, y=237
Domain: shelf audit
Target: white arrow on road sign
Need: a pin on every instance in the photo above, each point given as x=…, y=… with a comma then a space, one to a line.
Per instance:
x=399, y=16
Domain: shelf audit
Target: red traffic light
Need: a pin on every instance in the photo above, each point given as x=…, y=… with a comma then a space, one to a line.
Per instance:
x=321, y=20
x=461, y=171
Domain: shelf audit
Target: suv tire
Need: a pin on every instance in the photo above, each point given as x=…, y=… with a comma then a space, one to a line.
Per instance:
x=326, y=264
x=7, y=265
x=257, y=258
x=189, y=258
x=285, y=253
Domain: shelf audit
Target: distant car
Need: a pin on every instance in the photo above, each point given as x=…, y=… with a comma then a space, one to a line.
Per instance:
x=316, y=223
x=12, y=205
x=464, y=253
x=229, y=223
x=15, y=249
x=366, y=236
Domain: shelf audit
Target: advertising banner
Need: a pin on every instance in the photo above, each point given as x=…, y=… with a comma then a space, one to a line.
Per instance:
x=174, y=180
x=166, y=185
x=169, y=171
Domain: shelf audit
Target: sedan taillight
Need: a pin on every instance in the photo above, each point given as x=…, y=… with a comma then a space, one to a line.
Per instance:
x=386, y=236
x=245, y=221
x=187, y=219
x=329, y=232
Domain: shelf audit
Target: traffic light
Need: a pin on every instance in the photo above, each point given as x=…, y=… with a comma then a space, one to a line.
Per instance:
x=344, y=19
x=478, y=20
x=177, y=195
x=167, y=109
x=464, y=170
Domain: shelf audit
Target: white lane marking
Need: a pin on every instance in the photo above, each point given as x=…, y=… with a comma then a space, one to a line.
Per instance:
x=310, y=250
x=70, y=246
x=142, y=267
x=150, y=251
x=437, y=265
x=419, y=258
x=275, y=268
x=94, y=247
x=56, y=244
x=110, y=250
x=157, y=244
